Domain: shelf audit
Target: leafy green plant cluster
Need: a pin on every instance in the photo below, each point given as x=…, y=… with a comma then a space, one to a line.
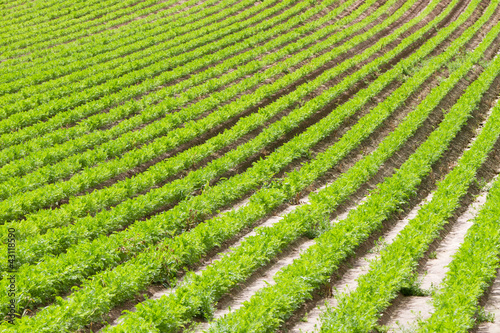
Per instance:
x=37, y=45
x=27, y=18
x=138, y=64
x=93, y=176
x=15, y=9
x=54, y=154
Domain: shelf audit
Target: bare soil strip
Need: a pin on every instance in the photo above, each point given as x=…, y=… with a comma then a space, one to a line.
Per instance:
x=492, y=306
x=360, y=266
x=264, y=276
x=411, y=308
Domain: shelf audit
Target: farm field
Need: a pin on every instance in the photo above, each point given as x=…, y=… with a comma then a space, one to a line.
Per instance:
x=250, y=166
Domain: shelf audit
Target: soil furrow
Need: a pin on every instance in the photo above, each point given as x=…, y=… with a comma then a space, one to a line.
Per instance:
x=412, y=308
x=491, y=304
x=348, y=281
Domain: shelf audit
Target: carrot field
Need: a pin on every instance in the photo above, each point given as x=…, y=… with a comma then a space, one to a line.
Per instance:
x=250, y=166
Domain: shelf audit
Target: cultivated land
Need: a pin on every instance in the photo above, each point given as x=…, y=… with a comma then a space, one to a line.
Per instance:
x=250, y=166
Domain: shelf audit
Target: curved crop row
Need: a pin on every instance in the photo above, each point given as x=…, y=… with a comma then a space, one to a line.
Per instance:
x=316, y=264
x=183, y=43
x=103, y=15
x=11, y=186
x=27, y=93
x=145, y=24
x=240, y=184
x=126, y=127
x=327, y=122
x=159, y=173
x=120, y=89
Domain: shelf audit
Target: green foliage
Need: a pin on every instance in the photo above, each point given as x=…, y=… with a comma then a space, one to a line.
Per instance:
x=484, y=316
x=473, y=267
x=70, y=247
x=411, y=286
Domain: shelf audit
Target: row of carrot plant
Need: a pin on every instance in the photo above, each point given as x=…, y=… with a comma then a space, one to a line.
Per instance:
x=237, y=183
